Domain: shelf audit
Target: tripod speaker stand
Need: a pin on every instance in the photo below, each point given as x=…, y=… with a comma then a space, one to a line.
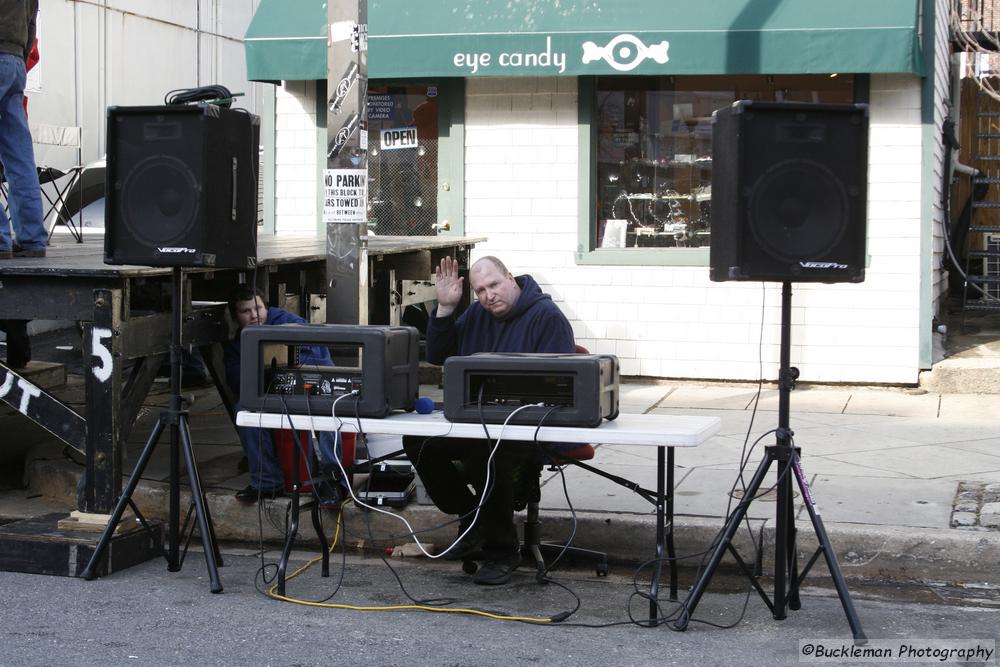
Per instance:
x=180, y=440
x=787, y=578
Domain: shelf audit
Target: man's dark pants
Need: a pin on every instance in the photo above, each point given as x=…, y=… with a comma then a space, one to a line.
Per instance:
x=447, y=466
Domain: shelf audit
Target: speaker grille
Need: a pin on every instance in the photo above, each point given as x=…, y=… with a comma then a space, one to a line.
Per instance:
x=160, y=201
x=797, y=209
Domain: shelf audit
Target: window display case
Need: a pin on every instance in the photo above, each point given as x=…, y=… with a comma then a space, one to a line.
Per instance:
x=665, y=202
x=653, y=137
x=654, y=170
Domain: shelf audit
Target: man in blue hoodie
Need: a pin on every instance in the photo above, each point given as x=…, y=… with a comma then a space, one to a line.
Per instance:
x=248, y=308
x=509, y=315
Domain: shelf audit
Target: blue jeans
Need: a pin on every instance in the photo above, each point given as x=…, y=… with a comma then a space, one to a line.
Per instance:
x=18, y=159
x=265, y=471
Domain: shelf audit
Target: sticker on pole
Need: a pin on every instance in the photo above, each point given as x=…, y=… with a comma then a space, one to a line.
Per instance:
x=400, y=137
x=345, y=193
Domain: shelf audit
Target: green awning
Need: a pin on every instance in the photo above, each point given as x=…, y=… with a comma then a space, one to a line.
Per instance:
x=406, y=39
x=587, y=37
x=286, y=41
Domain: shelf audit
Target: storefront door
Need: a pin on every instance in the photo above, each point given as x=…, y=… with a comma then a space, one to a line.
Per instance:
x=403, y=160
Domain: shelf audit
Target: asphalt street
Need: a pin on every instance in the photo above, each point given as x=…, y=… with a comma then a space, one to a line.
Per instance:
x=146, y=615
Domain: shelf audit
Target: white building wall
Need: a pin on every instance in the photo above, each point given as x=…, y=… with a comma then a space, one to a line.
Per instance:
x=296, y=196
x=521, y=192
x=130, y=52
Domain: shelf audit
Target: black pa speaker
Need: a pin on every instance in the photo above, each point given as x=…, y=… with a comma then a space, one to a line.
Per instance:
x=789, y=192
x=181, y=186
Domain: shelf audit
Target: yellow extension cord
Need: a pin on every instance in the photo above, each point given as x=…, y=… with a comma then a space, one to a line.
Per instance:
x=399, y=607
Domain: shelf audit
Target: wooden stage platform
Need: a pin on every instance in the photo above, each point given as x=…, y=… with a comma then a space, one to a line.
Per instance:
x=125, y=317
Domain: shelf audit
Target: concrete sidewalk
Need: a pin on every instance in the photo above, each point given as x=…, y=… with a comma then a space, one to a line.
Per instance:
x=908, y=481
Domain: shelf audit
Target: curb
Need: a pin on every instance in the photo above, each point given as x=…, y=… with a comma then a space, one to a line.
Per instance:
x=866, y=553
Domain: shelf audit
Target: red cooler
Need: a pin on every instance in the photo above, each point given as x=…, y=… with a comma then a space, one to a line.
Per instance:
x=283, y=450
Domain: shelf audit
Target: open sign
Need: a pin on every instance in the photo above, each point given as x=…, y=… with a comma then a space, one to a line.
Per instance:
x=401, y=137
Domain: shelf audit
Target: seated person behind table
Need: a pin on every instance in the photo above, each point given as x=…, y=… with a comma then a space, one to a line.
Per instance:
x=510, y=315
x=248, y=307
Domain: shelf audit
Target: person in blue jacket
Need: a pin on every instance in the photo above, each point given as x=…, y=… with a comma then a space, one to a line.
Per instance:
x=248, y=308
x=509, y=315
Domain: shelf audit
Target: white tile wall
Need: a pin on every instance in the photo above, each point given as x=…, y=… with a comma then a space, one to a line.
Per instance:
x=295, y=151
x=521, y=192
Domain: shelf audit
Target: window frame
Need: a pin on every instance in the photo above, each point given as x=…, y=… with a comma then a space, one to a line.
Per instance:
x=586, y=208
x=451, y=148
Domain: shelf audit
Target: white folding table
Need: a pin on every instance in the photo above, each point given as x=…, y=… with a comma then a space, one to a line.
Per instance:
x=658, y=430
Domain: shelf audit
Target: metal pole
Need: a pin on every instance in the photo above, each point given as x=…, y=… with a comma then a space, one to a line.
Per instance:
x=345, y=179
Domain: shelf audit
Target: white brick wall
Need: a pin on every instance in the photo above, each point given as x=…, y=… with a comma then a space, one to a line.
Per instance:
x=295, y=151
x=521, y=192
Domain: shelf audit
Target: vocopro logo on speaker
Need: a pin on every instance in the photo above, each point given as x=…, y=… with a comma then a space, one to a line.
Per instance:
x=176, y=251
x=822, y=265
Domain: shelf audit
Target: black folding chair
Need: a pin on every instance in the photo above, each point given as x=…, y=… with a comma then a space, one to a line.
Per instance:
x=61, y=183
x=58, y=208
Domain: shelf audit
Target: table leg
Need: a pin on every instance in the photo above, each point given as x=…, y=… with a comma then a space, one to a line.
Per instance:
x=664, y=535
x=654, y=585
x=671, y=553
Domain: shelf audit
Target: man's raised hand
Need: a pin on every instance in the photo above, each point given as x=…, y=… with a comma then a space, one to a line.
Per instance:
x=449, y=286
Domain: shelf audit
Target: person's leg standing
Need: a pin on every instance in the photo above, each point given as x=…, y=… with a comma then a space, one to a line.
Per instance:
x=18, y=158
x=8, y=75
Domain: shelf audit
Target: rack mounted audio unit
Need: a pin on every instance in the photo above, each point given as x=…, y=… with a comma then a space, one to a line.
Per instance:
x=307, y=367
x=572, y=389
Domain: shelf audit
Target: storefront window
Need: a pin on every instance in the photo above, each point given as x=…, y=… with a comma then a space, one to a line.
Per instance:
x=403, y=159
x=653, y=177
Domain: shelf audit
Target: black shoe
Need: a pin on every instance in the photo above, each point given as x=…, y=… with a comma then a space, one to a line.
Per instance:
x=6, y=254
x=468, y=545
x=497, y=572
x=251, y=494
x=29, y=252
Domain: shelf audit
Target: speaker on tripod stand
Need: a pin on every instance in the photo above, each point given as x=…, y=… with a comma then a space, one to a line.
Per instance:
x=181, y=186
x=789, y=192
x=181, y=192
x=788, y=205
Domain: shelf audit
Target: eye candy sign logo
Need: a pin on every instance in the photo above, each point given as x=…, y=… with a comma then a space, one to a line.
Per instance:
x=625, y=52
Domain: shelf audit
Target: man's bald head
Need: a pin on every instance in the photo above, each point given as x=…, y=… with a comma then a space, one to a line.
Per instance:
x=495, y=261
x=494, y=286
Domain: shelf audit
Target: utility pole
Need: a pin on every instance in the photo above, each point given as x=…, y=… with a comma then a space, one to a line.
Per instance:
x=345, y=179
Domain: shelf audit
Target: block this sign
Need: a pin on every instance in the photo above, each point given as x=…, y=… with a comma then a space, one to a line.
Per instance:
x=345, y=195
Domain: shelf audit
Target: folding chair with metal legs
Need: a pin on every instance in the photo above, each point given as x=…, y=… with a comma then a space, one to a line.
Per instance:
x=58, y=206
